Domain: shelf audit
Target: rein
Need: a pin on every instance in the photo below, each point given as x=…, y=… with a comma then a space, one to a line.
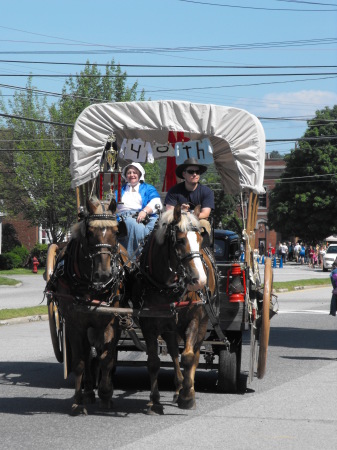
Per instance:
x=177, y=289
x=69, y=273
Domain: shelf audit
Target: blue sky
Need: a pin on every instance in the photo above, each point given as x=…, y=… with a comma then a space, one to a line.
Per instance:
x=237, y=33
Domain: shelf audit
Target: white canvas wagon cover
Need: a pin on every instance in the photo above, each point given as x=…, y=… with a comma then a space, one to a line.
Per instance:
x=237, y=137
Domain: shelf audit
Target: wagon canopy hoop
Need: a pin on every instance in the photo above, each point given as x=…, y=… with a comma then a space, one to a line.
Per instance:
x=236, y=136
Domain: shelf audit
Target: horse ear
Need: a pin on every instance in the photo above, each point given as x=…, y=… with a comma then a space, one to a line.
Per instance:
x=197, y=210
x=92, y=204
x=113, y=206
x=177, y=213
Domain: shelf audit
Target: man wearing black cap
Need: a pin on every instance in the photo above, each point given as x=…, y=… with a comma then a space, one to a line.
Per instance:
x=190, y=192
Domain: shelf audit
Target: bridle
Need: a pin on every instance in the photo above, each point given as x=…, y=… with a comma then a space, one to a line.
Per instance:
x=93, y=251
x=177, y=265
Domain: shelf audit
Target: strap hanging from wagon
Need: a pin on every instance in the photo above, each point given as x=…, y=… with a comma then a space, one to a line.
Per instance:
x=213, y=318
x=170, y=174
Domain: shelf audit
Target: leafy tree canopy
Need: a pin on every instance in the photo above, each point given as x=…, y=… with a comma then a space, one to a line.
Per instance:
x=226, y=206
x=303, y=202
x=275, y=155
x=35, y=177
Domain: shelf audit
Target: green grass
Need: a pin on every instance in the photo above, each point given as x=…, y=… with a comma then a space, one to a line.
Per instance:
x=8, y=281
x=6, y=314
x=20, y=271
x=290, y=285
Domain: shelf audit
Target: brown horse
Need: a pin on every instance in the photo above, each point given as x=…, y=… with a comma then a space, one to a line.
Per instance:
x=90, y=272
x=179, y=277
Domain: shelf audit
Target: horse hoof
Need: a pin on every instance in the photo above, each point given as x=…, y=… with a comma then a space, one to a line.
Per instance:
x=78, y=410
x=155, y=410
x=186, y=403
x=106, y=405
x=89, y=398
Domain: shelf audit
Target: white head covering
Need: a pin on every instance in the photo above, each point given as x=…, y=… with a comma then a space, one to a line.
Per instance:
x=137, y=166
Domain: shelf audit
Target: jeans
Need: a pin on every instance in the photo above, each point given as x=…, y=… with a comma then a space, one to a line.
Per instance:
x=136, y=232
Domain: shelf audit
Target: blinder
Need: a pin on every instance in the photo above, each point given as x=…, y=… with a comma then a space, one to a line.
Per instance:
x=103, y=249
x=181, y=271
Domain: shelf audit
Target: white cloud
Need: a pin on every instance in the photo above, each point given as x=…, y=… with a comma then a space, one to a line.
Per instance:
x=301, y=103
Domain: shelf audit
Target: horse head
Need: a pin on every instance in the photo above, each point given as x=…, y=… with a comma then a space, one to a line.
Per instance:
x=98, y=233
x=181, y=233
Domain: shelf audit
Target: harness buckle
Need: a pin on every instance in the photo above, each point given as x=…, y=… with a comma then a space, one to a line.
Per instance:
x=174, y=311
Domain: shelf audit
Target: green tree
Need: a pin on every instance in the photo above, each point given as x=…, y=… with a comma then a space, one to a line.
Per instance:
x=91, y=86
x=226, y=206
x=36, y=182
x=303, y=202
x=35, y=177
x=275, y=155
x=152, y=174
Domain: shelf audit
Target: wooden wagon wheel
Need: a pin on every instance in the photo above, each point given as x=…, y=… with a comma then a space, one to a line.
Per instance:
x=55, y=324
x=265, y=325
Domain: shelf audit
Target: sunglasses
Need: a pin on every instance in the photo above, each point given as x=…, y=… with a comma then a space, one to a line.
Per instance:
x=191, y=172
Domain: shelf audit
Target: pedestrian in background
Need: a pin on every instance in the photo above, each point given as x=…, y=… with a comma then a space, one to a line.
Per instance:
x=322, y=252
x=284, y=251
x=297, y=250
x=311, y=257
x=302, y=254
x=333, y=278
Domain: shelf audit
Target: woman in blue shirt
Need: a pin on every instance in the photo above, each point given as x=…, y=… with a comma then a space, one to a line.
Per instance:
x=138, y=207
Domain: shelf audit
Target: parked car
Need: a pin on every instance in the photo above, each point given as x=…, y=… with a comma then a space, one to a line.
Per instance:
x=329, y=257
x=226, y=246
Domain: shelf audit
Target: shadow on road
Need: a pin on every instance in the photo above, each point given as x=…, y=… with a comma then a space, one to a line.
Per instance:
x=306, y=338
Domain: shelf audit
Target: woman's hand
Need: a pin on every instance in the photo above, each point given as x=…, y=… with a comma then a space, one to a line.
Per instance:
x=141, y=216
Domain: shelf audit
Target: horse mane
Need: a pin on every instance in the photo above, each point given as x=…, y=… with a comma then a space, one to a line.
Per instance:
x=78, y=229
x=187, y=221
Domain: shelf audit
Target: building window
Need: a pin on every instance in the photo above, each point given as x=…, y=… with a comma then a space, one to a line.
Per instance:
x=263, y=199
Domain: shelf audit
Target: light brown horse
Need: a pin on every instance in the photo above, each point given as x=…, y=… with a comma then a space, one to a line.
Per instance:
x=178, y=276
x=90, y=272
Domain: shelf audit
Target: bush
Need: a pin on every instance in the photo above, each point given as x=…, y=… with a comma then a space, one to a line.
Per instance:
x=3, y=261
x=40, y=251
x=9, y=238
x=9, y=260
x=22, y=252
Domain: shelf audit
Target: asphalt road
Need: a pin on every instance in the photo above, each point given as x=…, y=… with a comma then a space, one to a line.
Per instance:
x=293, y=407
x=28, y=293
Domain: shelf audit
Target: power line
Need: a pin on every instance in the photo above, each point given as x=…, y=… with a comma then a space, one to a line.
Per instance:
x=70, y=125
x=255, y=7
x=168, y=75
x=173, y=66
x=308, y=3
x=11, y=116
x=33, y=150
x=156, y=50
x=236, y=85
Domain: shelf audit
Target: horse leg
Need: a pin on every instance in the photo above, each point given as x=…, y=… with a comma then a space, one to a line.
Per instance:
x=105, y=388
x=89, y=377
x=78, y=365
x=190, y=360
x=153, y=366
x=173, y=349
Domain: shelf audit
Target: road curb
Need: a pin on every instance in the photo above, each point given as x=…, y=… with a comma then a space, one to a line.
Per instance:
x=18, y=320
x=11, y=285
x=299, y=288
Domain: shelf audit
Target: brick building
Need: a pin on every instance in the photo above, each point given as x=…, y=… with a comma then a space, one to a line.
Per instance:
x=27, y=234
x=263, y=235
